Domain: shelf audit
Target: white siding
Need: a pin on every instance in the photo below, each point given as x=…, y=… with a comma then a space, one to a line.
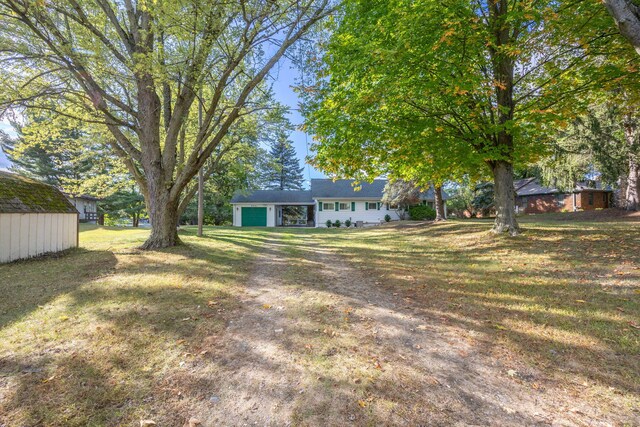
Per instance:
x=360, y=213
x=237, y=213
x=32, y=234
x=83, y=205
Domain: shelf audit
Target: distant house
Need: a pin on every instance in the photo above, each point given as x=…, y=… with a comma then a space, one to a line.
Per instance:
x=532, y=197
x=87, y=206
x=326, y=200
x=35, y=218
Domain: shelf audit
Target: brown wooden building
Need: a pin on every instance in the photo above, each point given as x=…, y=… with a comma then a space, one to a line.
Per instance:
x=532, y=198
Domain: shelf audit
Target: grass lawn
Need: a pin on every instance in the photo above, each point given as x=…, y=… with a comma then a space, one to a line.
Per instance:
x=407, y=323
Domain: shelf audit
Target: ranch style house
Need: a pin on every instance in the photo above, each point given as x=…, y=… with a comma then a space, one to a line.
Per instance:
x=326, y=200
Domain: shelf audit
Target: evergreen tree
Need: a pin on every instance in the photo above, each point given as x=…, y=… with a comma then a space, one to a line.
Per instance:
x=285, y=172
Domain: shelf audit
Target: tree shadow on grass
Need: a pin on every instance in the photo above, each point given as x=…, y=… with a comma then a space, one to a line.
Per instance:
x=31, y=284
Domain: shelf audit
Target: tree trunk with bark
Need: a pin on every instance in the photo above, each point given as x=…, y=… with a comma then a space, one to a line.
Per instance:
x=631, y=196
x=504, y=194
x=631, y=135
x=627, y=17
x=163, y=215
x=502, y=169
x=437, y=196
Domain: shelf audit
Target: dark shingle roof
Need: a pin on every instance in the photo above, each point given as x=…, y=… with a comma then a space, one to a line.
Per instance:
x=532, y=187
x=343, y=188
x=23, y=195
x=273, y=196
x=429, y=195
x=324, y=189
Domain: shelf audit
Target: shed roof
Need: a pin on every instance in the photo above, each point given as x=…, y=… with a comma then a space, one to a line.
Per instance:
x=274, y=196
x=24, y=195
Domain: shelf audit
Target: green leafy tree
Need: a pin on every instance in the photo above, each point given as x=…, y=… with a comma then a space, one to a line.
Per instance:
x=141, y=70
x=434, y=90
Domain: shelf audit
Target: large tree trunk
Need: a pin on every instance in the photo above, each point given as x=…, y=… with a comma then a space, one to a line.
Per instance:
x=437, y=196
x=631, y=198
x=503, y=69
x=163, y=215
x=504, y=195
x=627, y=17
x=631, y=135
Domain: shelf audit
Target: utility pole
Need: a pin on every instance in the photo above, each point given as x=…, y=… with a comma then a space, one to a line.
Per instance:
x=200, y=176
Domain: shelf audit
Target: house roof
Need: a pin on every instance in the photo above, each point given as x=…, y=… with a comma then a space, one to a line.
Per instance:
x=324, y=189
x=81, y=196
x=274, y=196
x=23, y=195
x=344, y=188
x=532, y=187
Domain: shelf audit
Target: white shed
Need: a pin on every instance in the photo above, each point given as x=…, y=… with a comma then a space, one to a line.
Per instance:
x=35, y=218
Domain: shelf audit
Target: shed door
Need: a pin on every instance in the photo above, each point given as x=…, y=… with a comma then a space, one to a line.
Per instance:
x=254, y=217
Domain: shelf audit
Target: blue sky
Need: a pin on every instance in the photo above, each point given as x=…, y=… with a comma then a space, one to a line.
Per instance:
x=284, y=76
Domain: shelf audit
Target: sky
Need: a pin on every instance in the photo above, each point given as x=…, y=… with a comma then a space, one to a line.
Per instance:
x=283, y=76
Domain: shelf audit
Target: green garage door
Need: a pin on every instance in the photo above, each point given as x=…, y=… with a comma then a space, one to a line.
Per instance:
x=254, y=217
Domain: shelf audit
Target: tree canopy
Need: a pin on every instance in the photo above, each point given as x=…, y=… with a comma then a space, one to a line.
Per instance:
x=143, y=70
x=430, y=90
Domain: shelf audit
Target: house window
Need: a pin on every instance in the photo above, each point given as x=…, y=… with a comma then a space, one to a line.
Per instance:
x=344, y=206
x=560, y=200
x=327, y=206
x=394, y=207
x=372, y=205
x=590, y=198
x=521, y=203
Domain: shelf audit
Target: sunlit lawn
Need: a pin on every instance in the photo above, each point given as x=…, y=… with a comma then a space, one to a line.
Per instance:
x=102, y=335
x=564, y=296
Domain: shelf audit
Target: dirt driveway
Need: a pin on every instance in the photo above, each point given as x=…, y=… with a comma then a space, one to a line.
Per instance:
x=319, y=342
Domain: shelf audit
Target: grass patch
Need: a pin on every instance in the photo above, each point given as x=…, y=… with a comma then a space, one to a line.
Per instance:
x=108, y=334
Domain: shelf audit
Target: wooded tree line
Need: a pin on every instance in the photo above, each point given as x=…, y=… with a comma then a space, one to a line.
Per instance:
x=421, y=90
x=71, y=157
